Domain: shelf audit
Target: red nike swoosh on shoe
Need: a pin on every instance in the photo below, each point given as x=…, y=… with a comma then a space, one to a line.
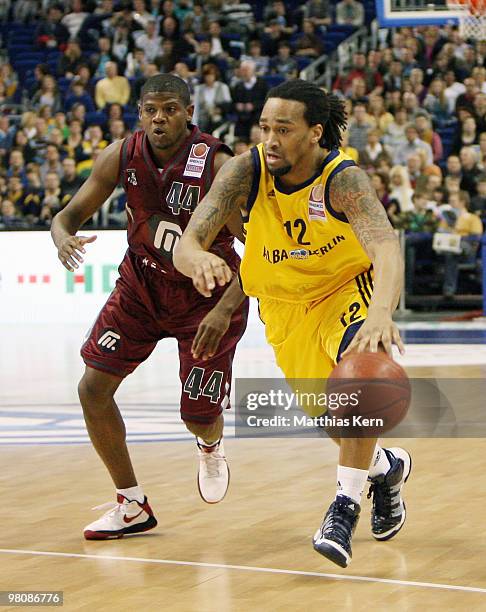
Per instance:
x=129, y=519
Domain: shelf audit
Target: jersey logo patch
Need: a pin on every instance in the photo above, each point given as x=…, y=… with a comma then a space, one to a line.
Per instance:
x=132, y=177
x=317, y=210
x=196, y=160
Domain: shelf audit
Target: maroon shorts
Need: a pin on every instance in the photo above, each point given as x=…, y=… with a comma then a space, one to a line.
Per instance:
x=144, y=308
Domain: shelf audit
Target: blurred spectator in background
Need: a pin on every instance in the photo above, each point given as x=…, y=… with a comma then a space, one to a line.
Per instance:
x=470, y=228
x=73, y=20
x=9, y=217
x=103, y=56
x=140, y=13
x=51, y=200
x=427, y=134
x=16, y=165
x=47, y=95
x=78, y=95
x=466, y=99
x=436, y=104
x=318, y=11
x=400, y=188
x=136, y=63
x=470, y=170
x=219, y=46
x=198, y=20
x=9, y=79
x=70, y=60
x=284, y=64
x=255, y=55
x=478, y=202
x=274, y=35
x=380, y=184
x=373, y=152
x=411, y=146
x=74, y=142
x=181, y=69
x=116, y=130
x=237, y=16
x=378, y=112
x=349, y=12
x=70, y=182
x=309, y=44
x=359, y=126
x=212, y=100
x=113, y=88
x=466, y=135
x=482, y=152
x=351, y=151
x=248, y=97
x=52, y=163
x=122, y=44
x=150, y=41
x=51, y=33
x=359, y=70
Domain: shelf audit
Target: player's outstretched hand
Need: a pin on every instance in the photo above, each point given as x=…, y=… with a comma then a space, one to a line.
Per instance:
x=207, y=270
x=209, y=333
x=378, y=330
x=70, y=250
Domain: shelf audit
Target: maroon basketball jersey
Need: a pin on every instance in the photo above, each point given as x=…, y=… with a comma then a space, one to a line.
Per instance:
x=160, y=201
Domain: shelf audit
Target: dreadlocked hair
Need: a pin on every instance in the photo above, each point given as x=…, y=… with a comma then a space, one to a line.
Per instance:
x=320, y=107
x=167, y=83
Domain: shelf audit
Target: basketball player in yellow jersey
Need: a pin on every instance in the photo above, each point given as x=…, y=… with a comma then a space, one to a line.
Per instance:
x=324, y=262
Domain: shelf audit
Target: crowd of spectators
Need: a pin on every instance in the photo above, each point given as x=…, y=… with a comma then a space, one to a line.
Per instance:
x=416, y=102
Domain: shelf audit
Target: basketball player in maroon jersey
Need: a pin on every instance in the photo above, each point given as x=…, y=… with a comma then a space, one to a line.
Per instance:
x=165, y=169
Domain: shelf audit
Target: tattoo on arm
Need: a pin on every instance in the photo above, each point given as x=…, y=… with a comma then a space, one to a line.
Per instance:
x=352, y=194
x=229, y=193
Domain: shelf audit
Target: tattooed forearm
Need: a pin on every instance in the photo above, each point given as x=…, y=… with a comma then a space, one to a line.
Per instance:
x=352, y=194
x=229, y=193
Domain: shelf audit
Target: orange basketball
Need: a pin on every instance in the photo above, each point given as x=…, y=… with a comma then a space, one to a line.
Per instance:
x=381, y=391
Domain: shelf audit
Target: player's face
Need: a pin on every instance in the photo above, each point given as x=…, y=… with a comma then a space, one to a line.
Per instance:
x=287, y=138
x=164, y=118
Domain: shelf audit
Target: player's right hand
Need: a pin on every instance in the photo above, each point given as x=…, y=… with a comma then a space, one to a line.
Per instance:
x=207, y=270
x=70, y=250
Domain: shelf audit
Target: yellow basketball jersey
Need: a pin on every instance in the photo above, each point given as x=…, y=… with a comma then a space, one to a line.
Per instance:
x=298, y=249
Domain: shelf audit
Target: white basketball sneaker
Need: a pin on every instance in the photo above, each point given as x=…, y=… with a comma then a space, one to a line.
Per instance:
x=123, y=517
x=214, y=475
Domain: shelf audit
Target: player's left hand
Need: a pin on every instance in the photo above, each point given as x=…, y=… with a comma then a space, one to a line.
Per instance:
x=378, y=331
x=207, y=270
x=209, y=333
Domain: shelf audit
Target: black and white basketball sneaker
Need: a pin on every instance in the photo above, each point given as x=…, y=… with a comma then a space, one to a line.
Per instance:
x=333, y=538
x=389, y=513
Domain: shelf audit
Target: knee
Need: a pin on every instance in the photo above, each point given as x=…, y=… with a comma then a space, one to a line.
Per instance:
x=93, y=393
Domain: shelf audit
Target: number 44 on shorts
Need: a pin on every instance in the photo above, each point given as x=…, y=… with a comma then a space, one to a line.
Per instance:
x=212, y=389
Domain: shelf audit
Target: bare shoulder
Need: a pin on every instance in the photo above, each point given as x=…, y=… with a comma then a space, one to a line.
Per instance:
x=349, y=187
x=107, y=166
x=233, y=182
x=239, y=166
x=220, y=159
x=352, y=194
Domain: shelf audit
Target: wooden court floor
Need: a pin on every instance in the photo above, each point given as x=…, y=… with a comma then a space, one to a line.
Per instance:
x=225, y=557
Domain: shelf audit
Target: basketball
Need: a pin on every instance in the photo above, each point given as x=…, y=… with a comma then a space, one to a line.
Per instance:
x=374, y=393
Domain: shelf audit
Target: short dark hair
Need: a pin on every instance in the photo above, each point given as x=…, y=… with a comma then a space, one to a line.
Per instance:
x=167, y=83
x=320, y=107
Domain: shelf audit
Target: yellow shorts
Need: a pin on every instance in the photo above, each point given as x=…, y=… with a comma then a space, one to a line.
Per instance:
x=308, y=338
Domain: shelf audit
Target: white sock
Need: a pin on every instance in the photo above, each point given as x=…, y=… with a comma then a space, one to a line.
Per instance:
x=202, y=442
x=379, y=464
x=351, y=482
x=132, y=493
